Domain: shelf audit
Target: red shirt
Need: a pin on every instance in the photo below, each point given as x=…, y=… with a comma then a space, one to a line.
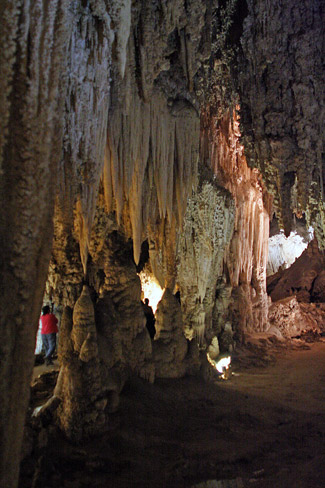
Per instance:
x=49, y=322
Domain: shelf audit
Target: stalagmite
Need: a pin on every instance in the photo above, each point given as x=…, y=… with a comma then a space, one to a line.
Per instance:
x=207, y=230
x=82, y=409
x=170, y=346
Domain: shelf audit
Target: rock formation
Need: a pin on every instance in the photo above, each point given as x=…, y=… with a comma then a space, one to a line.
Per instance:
x=113, y=115
x=305, y=278
x=170, y=346
x=282, y=103
x=81, y=412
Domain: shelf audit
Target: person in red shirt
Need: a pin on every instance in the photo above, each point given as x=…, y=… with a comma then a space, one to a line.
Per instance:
x=48, y=331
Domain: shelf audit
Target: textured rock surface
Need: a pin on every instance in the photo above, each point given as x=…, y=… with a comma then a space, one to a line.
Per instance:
x=82, y=409
x=207, y=230
x=32, y=44
x=282, y=93
x=286, y=316
x=170, y=346
x=283, y=251
x=246, y=256
x=305, y=278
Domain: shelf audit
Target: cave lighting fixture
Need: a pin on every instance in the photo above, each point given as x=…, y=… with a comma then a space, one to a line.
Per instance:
x=151, y=289
x=222, y=366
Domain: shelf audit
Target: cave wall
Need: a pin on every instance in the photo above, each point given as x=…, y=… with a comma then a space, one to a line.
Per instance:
x=281, y=86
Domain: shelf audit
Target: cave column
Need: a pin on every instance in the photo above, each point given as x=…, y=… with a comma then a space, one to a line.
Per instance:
x=29, y=152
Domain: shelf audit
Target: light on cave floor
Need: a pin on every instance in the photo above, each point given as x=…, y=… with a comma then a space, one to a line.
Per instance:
x=222, y=366
x=151, y=289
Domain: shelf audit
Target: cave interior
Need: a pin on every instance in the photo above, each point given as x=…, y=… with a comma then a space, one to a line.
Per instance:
x=169, y=150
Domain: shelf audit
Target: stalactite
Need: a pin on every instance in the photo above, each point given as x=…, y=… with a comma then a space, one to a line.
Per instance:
x=152, y=149
x=89, y=63
x=247, y=256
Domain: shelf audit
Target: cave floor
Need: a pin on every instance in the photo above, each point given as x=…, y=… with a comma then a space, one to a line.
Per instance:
x=266, y=427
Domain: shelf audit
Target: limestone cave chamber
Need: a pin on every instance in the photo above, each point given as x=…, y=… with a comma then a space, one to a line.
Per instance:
x=174, y=151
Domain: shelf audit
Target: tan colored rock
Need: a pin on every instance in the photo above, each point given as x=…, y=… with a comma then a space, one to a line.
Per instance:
x=287, y=316
x=246, y=256
x=82, y=409
x=83, y=332
x=170, y=346
x=207, y=230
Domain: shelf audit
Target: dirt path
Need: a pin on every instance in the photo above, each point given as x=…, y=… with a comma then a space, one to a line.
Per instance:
x=265, y=426
x=296, y=380
x=291, y=398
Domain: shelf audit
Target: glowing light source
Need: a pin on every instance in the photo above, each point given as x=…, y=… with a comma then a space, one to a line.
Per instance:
x=222, y=366
x=151, y=289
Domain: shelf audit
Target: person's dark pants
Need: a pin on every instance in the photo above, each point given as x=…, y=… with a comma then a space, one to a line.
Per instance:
x=49, y=344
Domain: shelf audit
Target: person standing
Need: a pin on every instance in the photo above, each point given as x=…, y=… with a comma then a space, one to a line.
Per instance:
x=148, y=312
x=48, y=332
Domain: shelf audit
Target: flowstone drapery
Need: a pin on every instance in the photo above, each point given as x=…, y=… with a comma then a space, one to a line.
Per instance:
x=246, y=256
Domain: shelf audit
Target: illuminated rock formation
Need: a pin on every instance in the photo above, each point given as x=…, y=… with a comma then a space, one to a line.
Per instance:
x=305, y=278
x=247, y=254
x=207, y=229
x=283, y=251
x=81, y=412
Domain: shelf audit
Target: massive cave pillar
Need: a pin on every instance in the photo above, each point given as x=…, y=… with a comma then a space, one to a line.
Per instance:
x=32, y=54
x=207, y=230
x=55, y=59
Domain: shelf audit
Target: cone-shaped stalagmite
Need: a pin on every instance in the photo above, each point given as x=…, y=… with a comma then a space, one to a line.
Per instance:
x=82, y=410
